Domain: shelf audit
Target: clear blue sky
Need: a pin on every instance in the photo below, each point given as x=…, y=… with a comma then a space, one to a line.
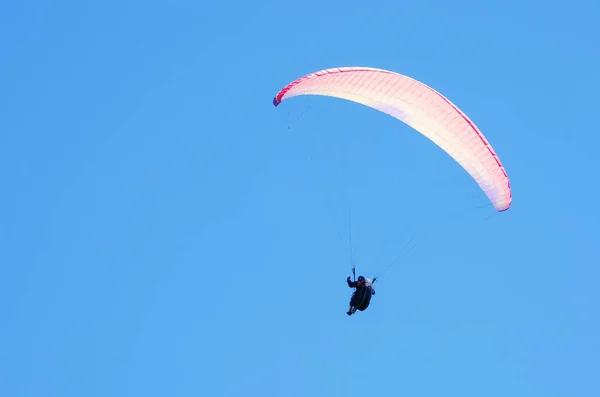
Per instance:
x=165, y=231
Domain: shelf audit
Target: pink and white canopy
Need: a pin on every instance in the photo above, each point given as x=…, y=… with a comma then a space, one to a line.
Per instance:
x=422, y=108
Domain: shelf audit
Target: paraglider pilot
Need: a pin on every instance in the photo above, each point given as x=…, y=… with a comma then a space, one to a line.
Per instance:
x=361, y=298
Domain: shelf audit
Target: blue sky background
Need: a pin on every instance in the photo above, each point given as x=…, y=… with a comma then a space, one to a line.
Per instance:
x=165, y=231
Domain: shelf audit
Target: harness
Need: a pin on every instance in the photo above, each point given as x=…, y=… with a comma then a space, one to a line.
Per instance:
x=365, y=288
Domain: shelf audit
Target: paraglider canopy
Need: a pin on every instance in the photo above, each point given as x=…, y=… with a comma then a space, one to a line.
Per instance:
x=422, y=108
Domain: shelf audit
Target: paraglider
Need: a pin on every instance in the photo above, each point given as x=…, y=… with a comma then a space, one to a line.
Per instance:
x=361, y=298
x=425, y=110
